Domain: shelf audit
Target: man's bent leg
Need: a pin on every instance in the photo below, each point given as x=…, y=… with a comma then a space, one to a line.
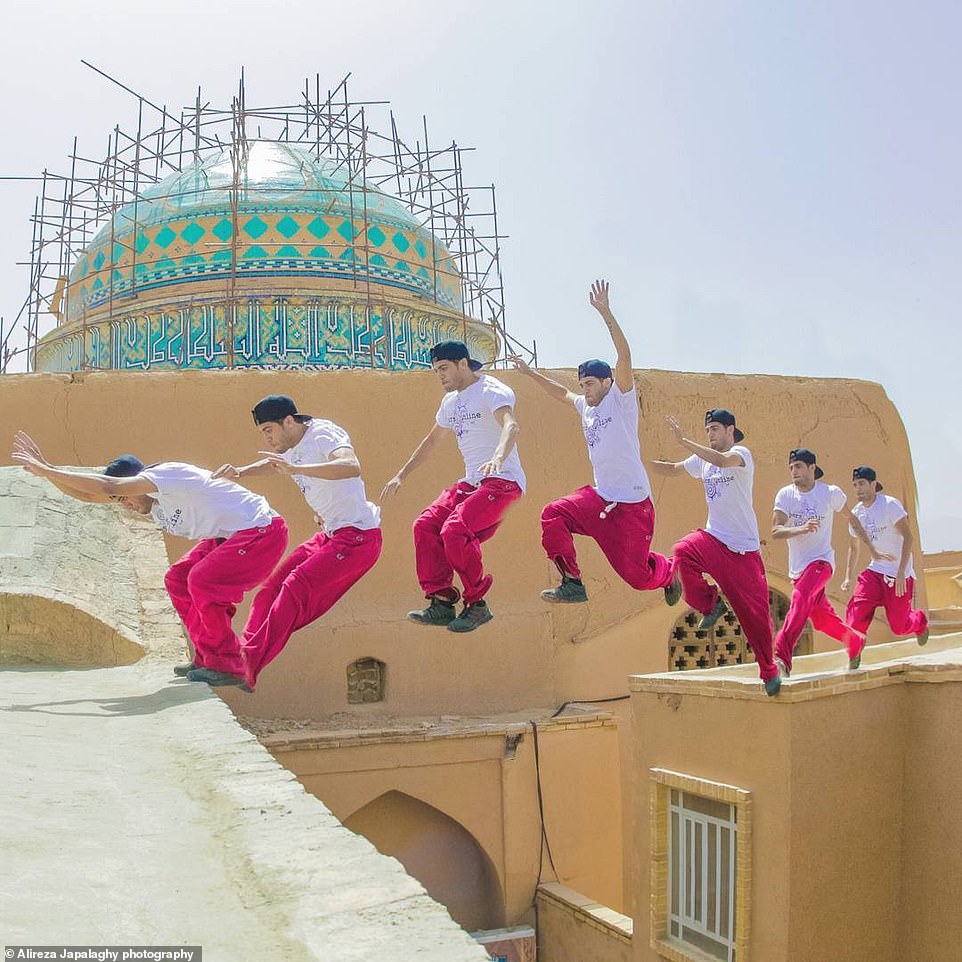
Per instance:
x=692, y=558
x=435, y=573
x=480, y=511
x=327, y=569
x=218, y=583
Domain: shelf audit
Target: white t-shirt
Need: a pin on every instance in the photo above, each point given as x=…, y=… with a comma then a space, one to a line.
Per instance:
x=470, y=414
x=728, y=491
x=191, y=505
x=611, y=430
x=879, y=523
x=339, y=503
x=819, y=504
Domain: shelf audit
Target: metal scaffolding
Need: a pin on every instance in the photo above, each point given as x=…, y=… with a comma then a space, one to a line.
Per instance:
x=361, y=140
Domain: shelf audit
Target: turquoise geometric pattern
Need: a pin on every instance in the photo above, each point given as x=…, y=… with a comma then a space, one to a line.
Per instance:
x=190, y=235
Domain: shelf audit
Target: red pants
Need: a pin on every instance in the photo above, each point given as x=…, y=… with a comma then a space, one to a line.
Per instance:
x=207, y=584
x=809, y=601
x=449, y=532
x=741, y=578
x=624, y=535
x=308, y=583
x=873, y=590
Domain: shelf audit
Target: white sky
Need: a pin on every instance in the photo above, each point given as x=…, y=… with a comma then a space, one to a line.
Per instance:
x=769, y=187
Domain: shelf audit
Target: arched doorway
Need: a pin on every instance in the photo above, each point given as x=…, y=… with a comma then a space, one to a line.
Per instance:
x=440, y=853
x=724, y=644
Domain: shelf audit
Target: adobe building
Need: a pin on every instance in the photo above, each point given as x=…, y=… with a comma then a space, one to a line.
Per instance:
x=515, y=760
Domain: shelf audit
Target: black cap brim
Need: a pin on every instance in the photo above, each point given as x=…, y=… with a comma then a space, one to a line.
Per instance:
x=739, y=436
x=474, y=365
x=818, y=472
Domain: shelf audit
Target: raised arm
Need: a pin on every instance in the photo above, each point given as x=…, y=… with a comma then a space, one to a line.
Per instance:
x=509, y=438
x=421, y=452
x=83, y=486
x=598, y=298
x=727, y=459
x=552, y=388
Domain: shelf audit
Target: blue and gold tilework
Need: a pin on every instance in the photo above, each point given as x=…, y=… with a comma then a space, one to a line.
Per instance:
x=296, y=220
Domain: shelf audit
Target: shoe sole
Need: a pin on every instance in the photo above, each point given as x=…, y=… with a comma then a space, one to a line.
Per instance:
x=430, y=624
x=474, y=625
x=783, y=668
x=554, y=600
x=181, y=670
x=673, y=594
x=922, y=640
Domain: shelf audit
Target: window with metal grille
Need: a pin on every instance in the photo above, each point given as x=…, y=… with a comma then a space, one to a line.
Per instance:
x=702, y=870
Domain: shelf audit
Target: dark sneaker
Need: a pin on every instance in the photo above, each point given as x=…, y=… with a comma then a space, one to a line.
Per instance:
x=708, y=620
x=439, y=612
x=473, y=616
x=181, y=670
x=673, y=592
x=773, y=686
x=570, y=591
x=923, y=639
x=784, y=669
x=216, y=679
x=853, y=663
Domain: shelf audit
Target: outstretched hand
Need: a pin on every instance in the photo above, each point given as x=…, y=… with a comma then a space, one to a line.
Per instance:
x=275, y=461
x=27, y=454
x=225, y=471
x=598, y=296
x=391, y=488
x=675, y=426
x=520, y=363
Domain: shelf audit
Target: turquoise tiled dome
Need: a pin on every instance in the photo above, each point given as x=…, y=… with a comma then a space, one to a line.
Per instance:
x=296, y=217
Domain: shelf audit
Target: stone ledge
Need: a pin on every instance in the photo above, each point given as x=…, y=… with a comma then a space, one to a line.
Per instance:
x=586, y=910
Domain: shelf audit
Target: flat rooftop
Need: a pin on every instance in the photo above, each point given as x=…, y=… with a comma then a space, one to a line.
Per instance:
x=820, y=675
x=137, y=810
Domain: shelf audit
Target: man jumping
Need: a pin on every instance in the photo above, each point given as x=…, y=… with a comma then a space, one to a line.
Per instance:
x=241, y=539
x=886, y=583
x=727, y=548
x=479, y=409
x=804, y=513
x=319, y=457
x=617, y=512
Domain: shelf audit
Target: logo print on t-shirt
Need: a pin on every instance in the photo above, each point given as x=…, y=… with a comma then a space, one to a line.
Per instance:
x=460, y=416
x=715, y=482
x=169, y=522
x=806, y=513
x=594, y=428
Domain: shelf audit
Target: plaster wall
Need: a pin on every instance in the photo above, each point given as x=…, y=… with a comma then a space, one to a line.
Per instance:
x=491, y=791
x=931, y=924
x=532, y=654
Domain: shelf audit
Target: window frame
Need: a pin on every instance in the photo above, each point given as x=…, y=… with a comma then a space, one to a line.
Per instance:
x=661, y=784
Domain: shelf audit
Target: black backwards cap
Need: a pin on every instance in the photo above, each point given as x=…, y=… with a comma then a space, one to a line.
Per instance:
x=594, y=368
x=726, y=418
x=865, y=473
x=125, y=466
x=806, y=457
x=276, y=407
x=454, y=351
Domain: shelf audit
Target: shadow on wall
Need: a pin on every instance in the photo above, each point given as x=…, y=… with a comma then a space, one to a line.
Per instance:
x=442, y=855
x=42, y=631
